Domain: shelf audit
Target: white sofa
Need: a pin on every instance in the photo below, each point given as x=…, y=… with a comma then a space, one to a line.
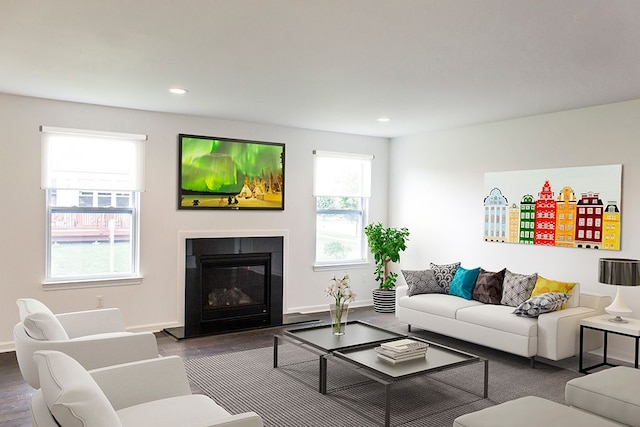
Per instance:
x=554, y=335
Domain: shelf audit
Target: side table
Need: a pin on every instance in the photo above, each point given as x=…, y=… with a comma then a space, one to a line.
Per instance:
x=602, y=323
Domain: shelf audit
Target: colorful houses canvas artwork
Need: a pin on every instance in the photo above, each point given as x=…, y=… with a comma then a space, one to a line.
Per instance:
x=577, y=207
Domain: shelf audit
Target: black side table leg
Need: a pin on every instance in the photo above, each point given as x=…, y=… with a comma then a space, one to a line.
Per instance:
x=581, y=347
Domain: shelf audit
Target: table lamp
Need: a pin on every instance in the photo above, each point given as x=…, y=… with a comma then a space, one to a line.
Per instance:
x=619, y=272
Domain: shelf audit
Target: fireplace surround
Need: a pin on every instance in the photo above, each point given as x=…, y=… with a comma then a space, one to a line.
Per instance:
x=232, y=283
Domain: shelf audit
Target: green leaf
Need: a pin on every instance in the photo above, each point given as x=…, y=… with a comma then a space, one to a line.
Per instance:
x=386, y=244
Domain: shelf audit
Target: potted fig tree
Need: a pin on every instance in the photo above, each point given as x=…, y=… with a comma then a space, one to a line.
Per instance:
x=385, y=243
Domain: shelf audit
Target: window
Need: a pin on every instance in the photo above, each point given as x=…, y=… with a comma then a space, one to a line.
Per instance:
x=92, y=182
x=342, y=187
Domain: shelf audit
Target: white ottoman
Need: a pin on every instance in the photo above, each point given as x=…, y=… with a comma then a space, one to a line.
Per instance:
x=531, y=411
x=613, y=393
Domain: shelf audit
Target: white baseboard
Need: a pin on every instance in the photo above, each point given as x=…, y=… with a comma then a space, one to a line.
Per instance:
x=615, y=354
x=7, y=346
x=325, y=307
x=157, y=327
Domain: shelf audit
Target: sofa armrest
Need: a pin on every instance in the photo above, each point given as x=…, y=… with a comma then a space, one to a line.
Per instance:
x=81, y=323
x=401, y=291
x=143, y=381
x=91, y=352
x=247, y=419
x=595, y=301
x=559, y=331
x=111, y=349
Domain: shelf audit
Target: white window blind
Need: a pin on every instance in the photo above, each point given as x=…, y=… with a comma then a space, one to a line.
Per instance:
x=341, y=174
x=90, y=160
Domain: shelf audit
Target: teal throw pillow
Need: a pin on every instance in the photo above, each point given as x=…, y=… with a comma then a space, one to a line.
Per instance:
x=463, y=282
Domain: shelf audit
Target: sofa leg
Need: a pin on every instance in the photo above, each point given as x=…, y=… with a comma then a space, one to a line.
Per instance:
x=532, y=362
x=408, y=328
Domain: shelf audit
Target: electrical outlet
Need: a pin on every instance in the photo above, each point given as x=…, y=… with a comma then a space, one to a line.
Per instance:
x=99, y=301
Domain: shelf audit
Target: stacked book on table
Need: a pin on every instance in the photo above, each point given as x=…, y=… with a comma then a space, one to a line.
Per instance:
x=402, y=350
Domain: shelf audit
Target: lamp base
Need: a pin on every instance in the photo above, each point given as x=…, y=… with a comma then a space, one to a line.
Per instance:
x=618, y=308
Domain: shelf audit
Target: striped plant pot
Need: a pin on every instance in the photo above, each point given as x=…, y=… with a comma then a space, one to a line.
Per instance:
x=384, y=301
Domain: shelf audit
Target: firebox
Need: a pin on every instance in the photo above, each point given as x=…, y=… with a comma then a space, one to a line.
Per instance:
x=232, y=284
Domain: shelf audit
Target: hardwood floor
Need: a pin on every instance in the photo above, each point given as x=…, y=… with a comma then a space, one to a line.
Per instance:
x=15, y=394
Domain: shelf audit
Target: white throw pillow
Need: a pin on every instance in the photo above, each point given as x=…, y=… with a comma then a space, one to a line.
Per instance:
x=44, y=326
x=72, y=395
x=28, y=306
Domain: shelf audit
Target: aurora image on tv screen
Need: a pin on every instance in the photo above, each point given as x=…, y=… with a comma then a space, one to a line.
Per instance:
x=223, y=173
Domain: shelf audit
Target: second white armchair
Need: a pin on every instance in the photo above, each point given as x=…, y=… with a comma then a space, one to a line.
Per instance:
x=94, y=338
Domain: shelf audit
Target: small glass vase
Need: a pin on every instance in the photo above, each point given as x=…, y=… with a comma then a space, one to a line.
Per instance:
x=339, y=313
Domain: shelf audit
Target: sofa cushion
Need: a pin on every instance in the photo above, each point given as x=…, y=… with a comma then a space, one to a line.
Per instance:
x=611, y=393
x=71, y=394
x=517, y=288
x=545, y=303
x=499, y=318
x=530, y=411
x=194, y=409
x=488, y=288
x=574, y=297
x=437, y=304
x=544, y=286
x=422, y=282
x=463, y=282
x=444, y=273
x=44, y=326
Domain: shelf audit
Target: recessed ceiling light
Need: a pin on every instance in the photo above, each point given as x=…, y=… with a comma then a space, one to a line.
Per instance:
x=384, y=119
x=178, y=90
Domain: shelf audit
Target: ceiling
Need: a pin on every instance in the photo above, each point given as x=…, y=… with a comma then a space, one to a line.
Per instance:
x=334, y=65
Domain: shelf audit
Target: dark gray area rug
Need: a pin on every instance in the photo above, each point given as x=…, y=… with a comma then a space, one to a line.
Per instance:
x=288, y=396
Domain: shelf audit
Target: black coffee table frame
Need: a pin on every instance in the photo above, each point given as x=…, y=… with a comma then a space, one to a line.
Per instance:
x=439, y=358
x=320, y=341
x=356, y=349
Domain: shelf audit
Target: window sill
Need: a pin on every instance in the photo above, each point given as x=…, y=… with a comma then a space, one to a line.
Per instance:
x=55, y=285
x=341, y=266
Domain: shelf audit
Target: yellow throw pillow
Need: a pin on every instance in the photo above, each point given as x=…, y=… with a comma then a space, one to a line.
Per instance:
x=544, y=285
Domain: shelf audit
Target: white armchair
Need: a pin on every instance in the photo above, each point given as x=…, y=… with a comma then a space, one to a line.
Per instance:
x=152, y=392
x=95, y=338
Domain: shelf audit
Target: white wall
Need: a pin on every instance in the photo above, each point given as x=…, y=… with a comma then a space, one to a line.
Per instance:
x=436, y=190
x=154, y=304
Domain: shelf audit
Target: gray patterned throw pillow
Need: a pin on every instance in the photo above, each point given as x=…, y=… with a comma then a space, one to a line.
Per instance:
x=517, y=288
x=444, y=274
x=543, y=303
x=422, y=282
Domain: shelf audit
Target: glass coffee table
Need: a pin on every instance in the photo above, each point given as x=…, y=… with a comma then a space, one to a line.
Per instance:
x=439, y=358
x=356, y=349
x=319, y=340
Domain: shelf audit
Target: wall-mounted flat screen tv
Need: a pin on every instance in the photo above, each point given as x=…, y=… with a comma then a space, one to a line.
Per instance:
x=225, y=173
